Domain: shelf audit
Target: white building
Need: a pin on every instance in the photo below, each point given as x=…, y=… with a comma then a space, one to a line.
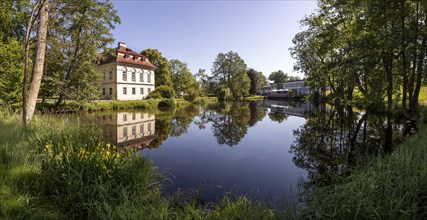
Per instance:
x=290, y=88
x=128, y=75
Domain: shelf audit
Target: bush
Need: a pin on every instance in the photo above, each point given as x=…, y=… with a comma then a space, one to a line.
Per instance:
x=162, y=92
x=167, y=103
x=224, y=94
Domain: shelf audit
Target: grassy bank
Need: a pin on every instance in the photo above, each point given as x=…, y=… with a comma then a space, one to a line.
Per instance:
x=388, y=187
x=101, y=105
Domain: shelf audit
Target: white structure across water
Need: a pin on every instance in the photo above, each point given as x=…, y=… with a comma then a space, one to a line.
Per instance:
x=286, y=89
x=128, y=75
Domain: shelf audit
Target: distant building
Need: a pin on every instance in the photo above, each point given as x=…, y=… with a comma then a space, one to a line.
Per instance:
x=128, y=75
x=286, y=89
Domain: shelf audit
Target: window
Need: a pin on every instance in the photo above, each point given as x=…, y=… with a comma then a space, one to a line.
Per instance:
x=125, y=132
x=124, y=91
x=141, y=91
x=133, y=116
x=134, y=130
x=125, y=117
x=125, y=75
x=110, y=74
x=103, y=91
x=111, y=91
x=133, y=91
x=141, y=129
x=105, y=75
x=141, y=76
x=149, y=90
x=142, y=115
x=149, y=78
x=133, y=76
x=149, y=126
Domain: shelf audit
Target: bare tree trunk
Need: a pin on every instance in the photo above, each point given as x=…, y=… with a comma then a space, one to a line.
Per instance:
x=40, y=52
x=26, y=52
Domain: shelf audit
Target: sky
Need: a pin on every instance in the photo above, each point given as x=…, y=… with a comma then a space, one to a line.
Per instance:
x=195, y=32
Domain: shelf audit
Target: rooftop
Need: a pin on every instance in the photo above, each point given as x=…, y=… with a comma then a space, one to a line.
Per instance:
x=126, y=55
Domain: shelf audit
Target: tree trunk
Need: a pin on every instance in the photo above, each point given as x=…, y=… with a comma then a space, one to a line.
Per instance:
x=26, y=52
x=40, y=52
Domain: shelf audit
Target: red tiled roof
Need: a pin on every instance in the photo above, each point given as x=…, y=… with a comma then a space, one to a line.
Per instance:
x=132, y=57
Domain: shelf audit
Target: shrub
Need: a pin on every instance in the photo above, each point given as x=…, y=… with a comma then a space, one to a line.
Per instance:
x=167, y=103
x=163, y=92
x=224, y=94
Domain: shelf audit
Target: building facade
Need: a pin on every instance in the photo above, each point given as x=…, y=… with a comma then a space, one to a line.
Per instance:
x=290, y=88
x=128, y=75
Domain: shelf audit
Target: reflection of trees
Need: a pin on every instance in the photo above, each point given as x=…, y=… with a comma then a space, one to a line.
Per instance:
x=331, y=142
x=277, y=116
x=173, y=123
x=229, y=124
x=230, y=121
x=257, y=113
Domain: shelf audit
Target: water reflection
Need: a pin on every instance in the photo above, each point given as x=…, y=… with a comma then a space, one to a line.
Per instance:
x=129, y=129
x=230, y=120
x=263, y=146
x=331, y=142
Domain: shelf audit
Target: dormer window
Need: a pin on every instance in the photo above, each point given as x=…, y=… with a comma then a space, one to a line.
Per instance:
x=126, y=56
x=143, y=59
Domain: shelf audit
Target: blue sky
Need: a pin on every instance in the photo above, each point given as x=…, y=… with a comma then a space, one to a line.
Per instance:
x=195, y=32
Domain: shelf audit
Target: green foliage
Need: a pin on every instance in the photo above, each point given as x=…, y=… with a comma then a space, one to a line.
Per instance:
x=167, y=103
x=11, y=67
x=162, y=92
x=163, y=71
x=230, y=70
x=368, y=45
x=13, y=18
x=278, y=77
x=257, y=80
x=224, y=94
x=77, y=32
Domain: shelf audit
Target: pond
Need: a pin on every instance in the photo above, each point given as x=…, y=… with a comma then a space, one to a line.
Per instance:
x=261, y=149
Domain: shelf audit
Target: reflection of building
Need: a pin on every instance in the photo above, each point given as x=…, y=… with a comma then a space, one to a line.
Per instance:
x=132, y=129
x=128, y=75
x=299, y=109
x=290, y=88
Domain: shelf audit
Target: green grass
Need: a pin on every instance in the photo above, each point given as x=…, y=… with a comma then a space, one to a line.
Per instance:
x=255, y=97
x=389, y=187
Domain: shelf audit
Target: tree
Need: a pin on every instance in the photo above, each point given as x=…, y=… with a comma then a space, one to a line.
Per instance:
x=163, y=71
x=278, y=77
x=79, y=32
x=29, y=102
x=294, y=78
x=378, y=47
x=183, y=81
x=229, y=70
x=13, y=15
x=257, y=80
x=11, y=72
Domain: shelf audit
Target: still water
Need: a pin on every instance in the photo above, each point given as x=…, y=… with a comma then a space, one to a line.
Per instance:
x=262, y=149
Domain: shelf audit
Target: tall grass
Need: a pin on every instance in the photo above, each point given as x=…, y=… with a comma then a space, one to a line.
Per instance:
x=389, y=187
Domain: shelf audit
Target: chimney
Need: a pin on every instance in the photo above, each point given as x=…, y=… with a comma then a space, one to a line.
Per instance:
x=122, y=44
